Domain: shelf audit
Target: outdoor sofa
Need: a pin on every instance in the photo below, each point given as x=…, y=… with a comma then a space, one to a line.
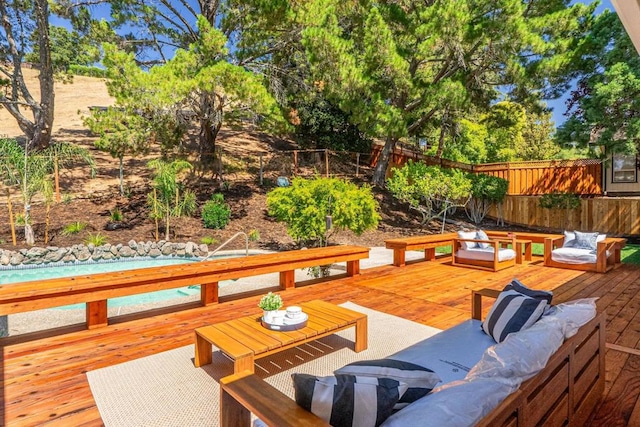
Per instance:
x=583, y=251
x=475, y=249
x=551, y=373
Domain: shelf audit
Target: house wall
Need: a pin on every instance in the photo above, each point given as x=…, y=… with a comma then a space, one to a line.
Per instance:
x=614, y=188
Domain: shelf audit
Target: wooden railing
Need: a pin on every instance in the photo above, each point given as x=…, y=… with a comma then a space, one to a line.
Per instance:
x=613, y=216
x=95, y=289
x=582, y=176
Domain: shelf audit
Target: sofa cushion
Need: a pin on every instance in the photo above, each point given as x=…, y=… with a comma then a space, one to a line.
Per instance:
x=574, y=256
x=457, y=404
x=467, y=235
x=450, y=353
x=570, y=240
x=347, y=400
x=512, y=312
x=420, y=380
x=481, y=235
x=479, y=254
x=518, y=286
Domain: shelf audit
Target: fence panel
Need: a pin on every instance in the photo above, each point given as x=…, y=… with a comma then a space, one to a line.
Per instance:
x=582, y=176
x=613, y=216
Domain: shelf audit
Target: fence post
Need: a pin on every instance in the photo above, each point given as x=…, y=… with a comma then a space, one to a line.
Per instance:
x=357, y=163
x=295, y=162
x=326, y=162
x=261, y=170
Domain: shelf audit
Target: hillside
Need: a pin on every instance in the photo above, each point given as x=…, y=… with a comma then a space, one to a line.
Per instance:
x=91, y=200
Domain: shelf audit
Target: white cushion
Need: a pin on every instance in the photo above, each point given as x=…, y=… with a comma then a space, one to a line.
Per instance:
x=458, y=404
x=512, y=312
x=450, y=353
x=574, y=256
x=479, y=254
x=467, y=235
x=481, y=235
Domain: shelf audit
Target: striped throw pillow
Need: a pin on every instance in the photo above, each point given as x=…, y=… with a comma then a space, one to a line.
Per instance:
x=348, y=400
x=518, y=286
x=512, y=312
x=420, y=380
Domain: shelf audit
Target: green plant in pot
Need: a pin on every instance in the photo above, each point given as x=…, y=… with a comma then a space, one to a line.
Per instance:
x=270, y=304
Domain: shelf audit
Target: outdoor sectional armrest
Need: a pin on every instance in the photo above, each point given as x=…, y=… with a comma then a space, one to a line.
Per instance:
x=245, y=393
x=476, y=300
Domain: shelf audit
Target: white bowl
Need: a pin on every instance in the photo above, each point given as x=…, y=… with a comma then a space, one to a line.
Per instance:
x=294, y=311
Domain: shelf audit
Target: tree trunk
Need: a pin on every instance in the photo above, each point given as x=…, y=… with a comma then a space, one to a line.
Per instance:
x=43, y=113
x=210, y=124
x=379, y=174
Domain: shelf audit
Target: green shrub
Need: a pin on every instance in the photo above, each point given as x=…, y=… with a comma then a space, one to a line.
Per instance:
x=209, y=240
x=430, y=190
x=305, y=205
x=67, y=198
x=216, y=213
x=254, y=235
x=564, y=201
x=485, y=190
x=73, y=228
x=97, y=239
x=115, y=215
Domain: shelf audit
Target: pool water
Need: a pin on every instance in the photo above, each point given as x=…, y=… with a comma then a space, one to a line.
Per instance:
x=42, y=273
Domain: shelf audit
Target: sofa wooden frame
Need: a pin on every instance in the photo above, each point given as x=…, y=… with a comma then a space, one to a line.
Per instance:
x=565, y=392
x=494, y=265
x=604, y=263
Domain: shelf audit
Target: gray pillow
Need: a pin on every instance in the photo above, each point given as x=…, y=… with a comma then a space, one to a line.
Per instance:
x=585, y=240
x=481, y=235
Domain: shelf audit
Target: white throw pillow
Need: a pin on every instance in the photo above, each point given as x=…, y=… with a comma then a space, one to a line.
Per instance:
x=467, y=235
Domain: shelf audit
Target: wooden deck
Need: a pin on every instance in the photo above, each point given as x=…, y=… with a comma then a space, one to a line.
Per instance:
x=44, y=381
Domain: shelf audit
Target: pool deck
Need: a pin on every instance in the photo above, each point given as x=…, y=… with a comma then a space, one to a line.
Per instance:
x=44, y=372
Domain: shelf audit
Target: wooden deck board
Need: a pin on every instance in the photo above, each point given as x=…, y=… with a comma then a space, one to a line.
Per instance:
x=44, y=381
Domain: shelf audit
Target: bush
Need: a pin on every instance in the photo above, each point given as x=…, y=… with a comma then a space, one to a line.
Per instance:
x=96, y=239
x=73, y=228
x=485, y=191
x=430, y=190
x=305, y=205
x=564, y=201
x=216, y=213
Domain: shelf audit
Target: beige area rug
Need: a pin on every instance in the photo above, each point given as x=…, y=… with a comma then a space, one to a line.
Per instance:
x=167, y=390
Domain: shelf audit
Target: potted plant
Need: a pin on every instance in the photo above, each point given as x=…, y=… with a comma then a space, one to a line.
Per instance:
x=270, y=304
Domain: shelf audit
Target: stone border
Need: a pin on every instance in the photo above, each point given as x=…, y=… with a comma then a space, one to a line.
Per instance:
x=107, y=252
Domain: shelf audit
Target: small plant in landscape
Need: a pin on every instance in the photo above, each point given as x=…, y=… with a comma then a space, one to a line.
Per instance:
x=73, y=228
x=216, y=213
x=115, y=215
x=209, y=240
x=67, y=198
x=97, y=239
x=20, y=219
x=314, y=209
x=254, y=235
x=270, y=302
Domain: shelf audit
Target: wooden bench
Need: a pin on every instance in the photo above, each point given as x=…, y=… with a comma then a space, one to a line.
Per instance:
x=611, y=245
x=565, y=392
x=495, y=264
x=428, y=243
x=95, y=289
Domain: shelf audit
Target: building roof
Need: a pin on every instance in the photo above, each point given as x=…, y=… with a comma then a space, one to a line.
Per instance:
x=629, y=13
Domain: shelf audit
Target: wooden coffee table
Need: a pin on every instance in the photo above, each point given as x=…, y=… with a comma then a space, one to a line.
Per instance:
x=245, y=339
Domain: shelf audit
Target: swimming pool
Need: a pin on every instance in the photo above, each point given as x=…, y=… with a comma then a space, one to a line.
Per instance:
x=52, y=272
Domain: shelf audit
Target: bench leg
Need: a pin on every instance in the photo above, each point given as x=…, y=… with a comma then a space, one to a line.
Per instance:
x=399, y=258
x=528, y=252
x=232, y=413
x=362, y=335
x=203, y=351
x=287, y=279
x=209, y=293
x=97, y=314
x=353, y=268
x=518, y=249
x=430, y=254
x=244, y=363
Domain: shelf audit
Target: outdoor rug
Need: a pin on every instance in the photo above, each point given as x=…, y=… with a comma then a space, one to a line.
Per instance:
x=166, y=389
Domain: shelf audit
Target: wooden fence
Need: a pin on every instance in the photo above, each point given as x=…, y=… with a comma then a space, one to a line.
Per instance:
x=614, y=216
x=582, y=176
